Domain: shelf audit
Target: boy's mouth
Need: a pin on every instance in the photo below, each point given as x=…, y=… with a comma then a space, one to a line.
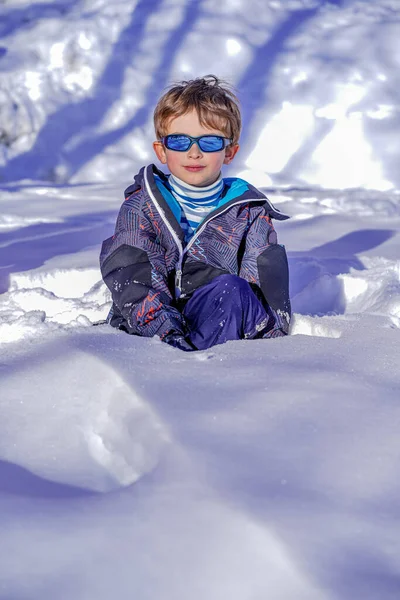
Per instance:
x=194, y=169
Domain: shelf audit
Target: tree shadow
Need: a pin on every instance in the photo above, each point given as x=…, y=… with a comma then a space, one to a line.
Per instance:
x=74, y=117
x=316, y=271
x=30, y=247
x=62, y=125
x=253, y=84
x=85, y=151
x=19, y=481
x=255, y=81
x=322, y=127
x=18, y=18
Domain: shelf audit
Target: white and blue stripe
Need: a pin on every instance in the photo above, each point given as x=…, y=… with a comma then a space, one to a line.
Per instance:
x=196, y=202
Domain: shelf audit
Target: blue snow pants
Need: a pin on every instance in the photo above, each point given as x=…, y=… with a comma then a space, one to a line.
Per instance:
x=225, y=309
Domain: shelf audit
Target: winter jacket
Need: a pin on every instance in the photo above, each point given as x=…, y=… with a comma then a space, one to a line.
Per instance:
x=151, y=273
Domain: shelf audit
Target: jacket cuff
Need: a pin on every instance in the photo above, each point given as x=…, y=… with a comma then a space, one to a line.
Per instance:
x=172, y=325
x=273, y=333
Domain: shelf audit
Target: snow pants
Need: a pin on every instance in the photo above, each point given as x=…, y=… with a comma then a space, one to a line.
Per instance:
x=225, y=309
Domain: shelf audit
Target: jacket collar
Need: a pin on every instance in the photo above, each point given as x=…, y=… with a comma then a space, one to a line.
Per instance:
x=238, y=190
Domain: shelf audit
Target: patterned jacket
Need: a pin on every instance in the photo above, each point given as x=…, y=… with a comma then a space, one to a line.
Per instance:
x=151, y=273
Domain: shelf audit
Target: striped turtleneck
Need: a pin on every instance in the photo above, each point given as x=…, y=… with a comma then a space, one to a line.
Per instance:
x=196, y=202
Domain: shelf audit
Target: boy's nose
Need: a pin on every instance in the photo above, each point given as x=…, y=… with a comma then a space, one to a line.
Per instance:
x=194, y=151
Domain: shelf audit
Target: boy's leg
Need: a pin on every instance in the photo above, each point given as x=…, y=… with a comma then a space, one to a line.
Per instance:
x=225, y=309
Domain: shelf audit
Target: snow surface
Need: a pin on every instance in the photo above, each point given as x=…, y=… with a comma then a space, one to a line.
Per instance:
x=256, y=469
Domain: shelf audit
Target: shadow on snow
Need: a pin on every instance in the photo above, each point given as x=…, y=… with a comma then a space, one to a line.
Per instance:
x=314, y=286
x=70, y=119
x=253, y=84
x=18, y=481
x=22, y=18
x=32, y=246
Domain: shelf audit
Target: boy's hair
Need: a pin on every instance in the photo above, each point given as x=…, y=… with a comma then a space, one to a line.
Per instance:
x=216, y=105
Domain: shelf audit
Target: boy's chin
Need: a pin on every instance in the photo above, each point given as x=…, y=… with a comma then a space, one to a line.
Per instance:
x=197, y=177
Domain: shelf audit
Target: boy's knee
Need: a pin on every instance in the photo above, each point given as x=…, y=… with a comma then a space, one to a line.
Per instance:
x=231, y=281
x=231, y=291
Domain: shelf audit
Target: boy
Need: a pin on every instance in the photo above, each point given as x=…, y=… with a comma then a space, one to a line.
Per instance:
x=194, y=258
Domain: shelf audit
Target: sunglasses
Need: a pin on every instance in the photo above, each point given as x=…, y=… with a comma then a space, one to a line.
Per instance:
x=206, y=143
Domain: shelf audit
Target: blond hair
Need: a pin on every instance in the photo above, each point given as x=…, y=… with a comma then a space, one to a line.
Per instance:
x=215, y=103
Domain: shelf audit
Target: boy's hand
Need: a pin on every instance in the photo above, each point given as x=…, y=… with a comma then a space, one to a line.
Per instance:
x=177, y=340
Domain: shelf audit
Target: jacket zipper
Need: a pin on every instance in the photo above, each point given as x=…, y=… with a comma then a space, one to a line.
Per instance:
x=203, y=225
x=178, y=272
x=182, y=251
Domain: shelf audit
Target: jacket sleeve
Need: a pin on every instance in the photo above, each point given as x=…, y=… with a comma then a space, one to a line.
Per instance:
x=136, y=275
x=264, y=263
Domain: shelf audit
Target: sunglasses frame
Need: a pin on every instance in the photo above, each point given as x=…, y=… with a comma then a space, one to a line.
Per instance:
x=195, y=140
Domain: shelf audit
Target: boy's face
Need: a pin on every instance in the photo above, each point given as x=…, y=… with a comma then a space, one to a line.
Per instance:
x=194, y=166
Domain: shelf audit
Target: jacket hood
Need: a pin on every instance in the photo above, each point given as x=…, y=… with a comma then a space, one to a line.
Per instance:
x=239, y=189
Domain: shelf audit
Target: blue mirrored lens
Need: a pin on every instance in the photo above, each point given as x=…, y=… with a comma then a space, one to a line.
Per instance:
x=180, y=143
x=211, y=143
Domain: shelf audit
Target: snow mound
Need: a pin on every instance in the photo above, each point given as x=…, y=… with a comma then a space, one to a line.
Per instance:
x=315, y=326
x=66, y=283
x=78, y=423
x=372, y=286
x=375, y=289
x=50, y=299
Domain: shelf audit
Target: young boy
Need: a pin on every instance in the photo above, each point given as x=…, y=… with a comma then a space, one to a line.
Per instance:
x=194, y=258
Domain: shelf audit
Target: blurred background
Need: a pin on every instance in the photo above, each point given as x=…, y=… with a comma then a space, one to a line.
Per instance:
x=318, y=81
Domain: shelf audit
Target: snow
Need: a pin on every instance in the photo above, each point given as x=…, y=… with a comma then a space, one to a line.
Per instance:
x=256, y=469
x=319, y=78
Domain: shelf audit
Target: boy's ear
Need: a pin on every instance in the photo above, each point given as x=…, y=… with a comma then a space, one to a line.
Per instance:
x=230, y=153
x=160, y=152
